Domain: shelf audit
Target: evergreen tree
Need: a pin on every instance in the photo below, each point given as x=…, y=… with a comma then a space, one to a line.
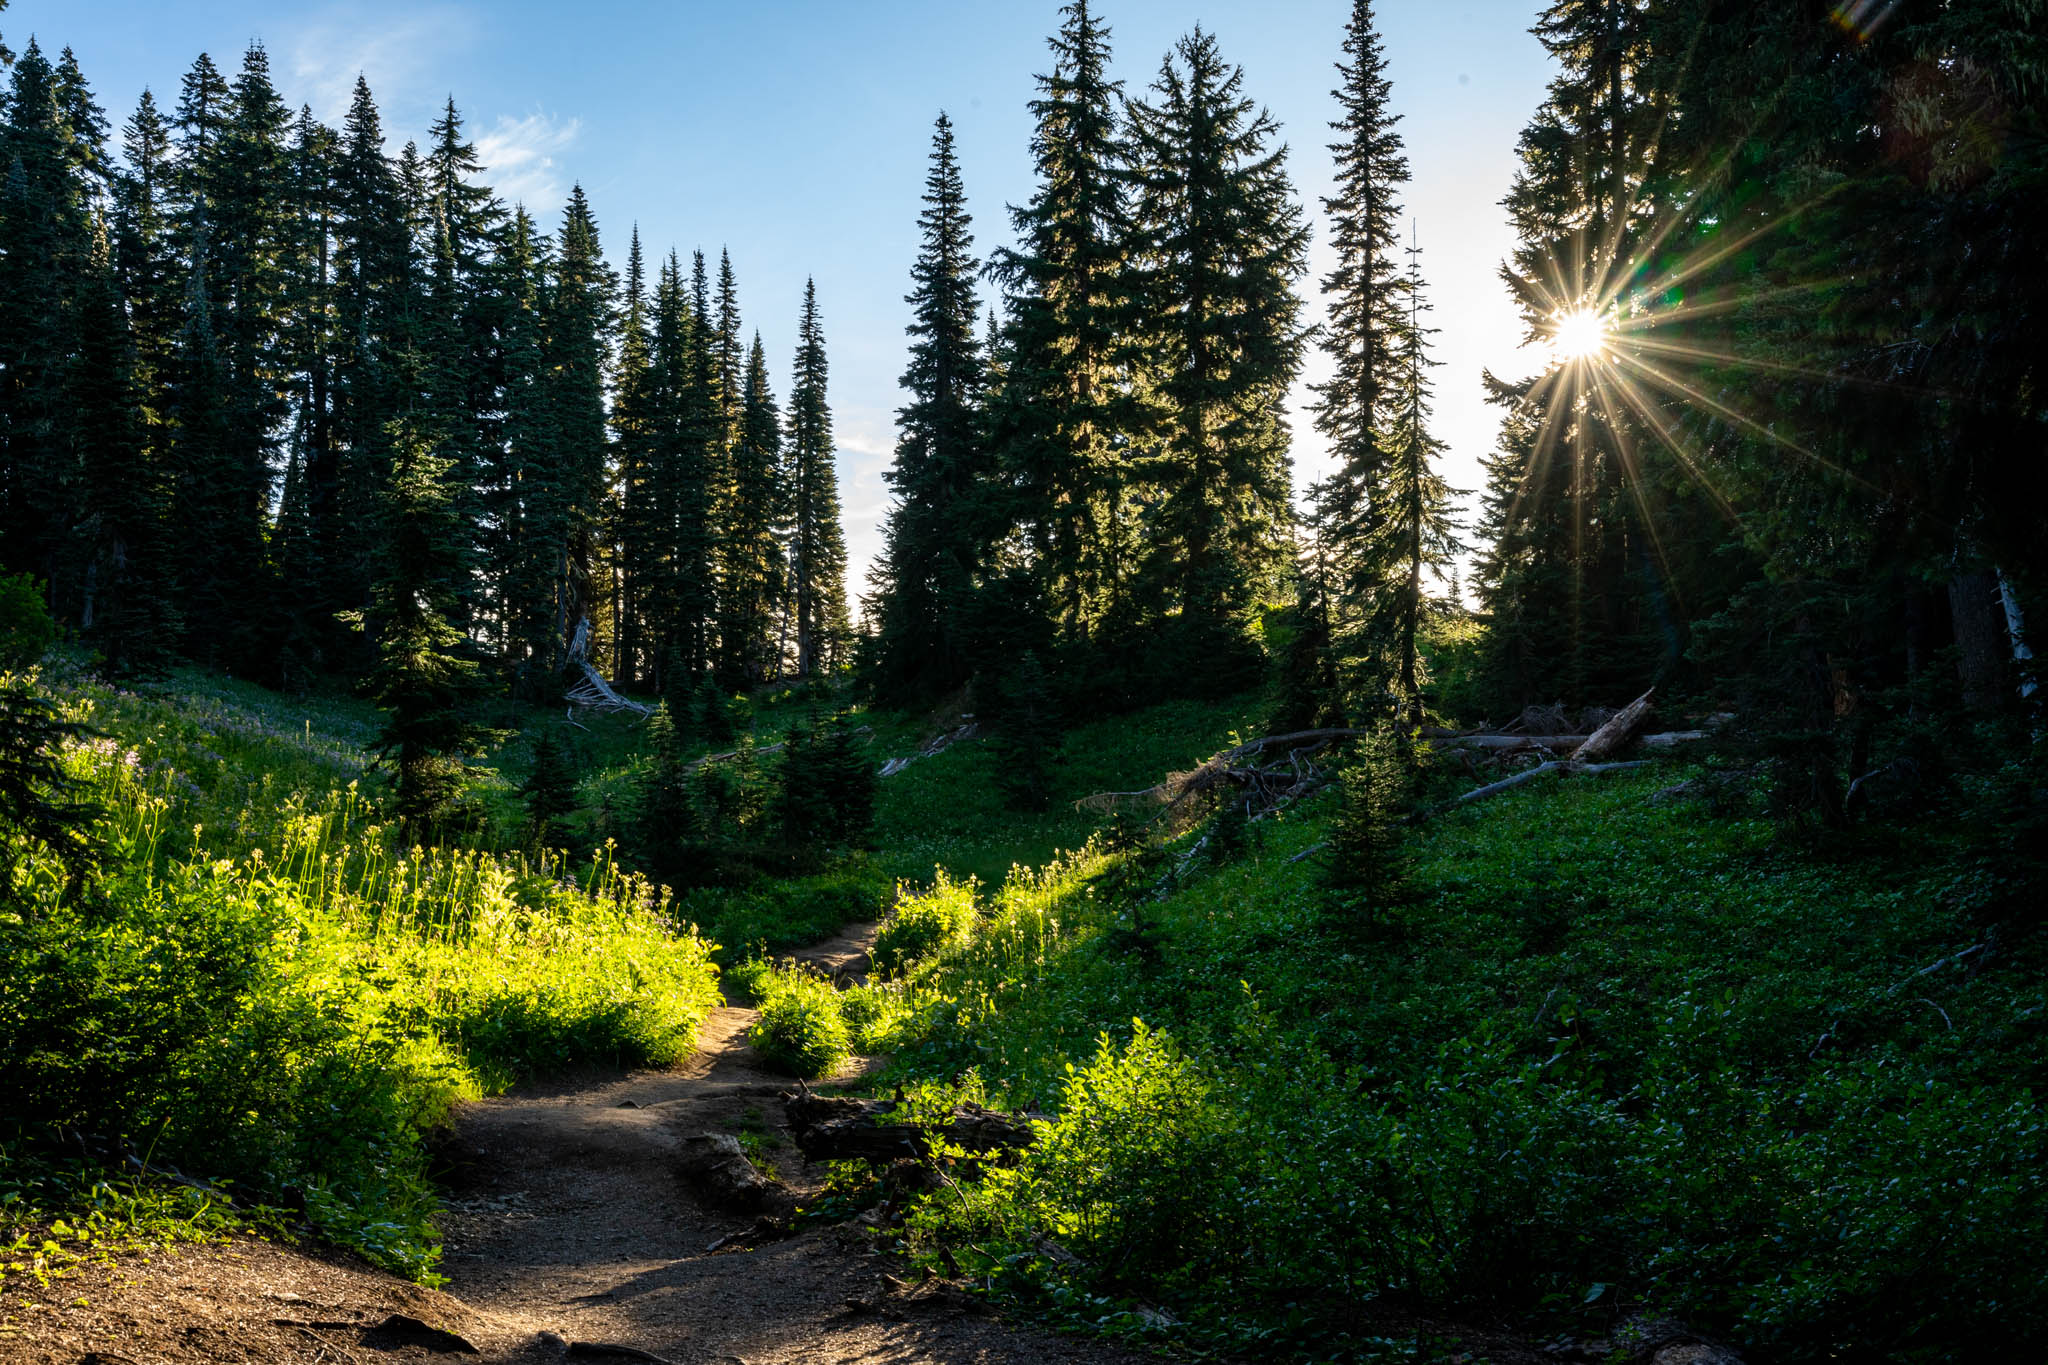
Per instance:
x=1061, y=419
x=128, y=611
x=1225, y=242
x=549, y=793
x=1414, y=536
x=817, y=551
x=564, y=518
x=664, y=813
x=1027, y=735
x=249, y=230
x=638, y=530
x=344, y=474
x=1580, y=202
x=1364, y=290
x=425, y=678
x=754, y=570
x=46, y=249
x=932, y=553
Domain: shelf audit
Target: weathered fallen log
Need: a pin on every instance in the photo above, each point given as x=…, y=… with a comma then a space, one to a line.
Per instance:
x=844, y=1129
x=860, y=1140
x=967, y=730
x=1610, y=738
x=716, y=1162
x=1565, y=767
x=1560, y=744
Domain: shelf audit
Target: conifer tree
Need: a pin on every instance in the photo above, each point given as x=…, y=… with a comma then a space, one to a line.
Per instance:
x=1414, y=536
x=1225, y=243
x=754, y=569
x=1580, y=201
x=549, y=792
x=344, y=475
x=564, y=523
x=249, y=228
x=1061, y=419
x=1364, y=290
x=637, y=528
x=425, y=678
x=45, y=249
x=817, y=552
x=932, y=552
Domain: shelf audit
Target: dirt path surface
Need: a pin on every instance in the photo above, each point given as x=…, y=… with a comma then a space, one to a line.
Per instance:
x=567, y=1223
x=573, y=1221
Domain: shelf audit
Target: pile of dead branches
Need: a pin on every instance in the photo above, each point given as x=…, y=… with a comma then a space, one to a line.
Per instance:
x=1269, y=774
x=1266, y=774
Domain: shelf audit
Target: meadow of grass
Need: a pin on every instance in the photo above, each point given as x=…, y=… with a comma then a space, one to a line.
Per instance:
x=266, y=989
x=1601, y=1055
x=1595, y=1052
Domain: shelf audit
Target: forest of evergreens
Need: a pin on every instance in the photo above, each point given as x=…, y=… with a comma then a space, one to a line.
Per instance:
x=330, y=484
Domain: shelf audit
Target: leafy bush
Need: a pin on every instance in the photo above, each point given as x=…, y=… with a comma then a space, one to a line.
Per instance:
x=921, y=925
x=800, y=1030
x=26, y=630
x=291, y=1016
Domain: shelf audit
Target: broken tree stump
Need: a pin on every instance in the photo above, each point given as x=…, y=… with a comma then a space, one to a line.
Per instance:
x=719, y=1166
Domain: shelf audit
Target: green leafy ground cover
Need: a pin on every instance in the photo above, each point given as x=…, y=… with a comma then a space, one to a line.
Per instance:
x=1605, y=1054
x=265, y=990
x=1592, y=1054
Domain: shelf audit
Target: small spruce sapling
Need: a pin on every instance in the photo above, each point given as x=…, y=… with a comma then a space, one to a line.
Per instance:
x=1027, y=736
x=549, y=793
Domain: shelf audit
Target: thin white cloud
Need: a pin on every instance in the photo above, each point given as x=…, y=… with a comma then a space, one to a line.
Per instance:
x=398, y=58
x=520, y=159
x=866, y=438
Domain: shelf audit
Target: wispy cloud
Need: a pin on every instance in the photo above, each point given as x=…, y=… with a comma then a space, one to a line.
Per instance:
x=520, y=158
x=397, y=58
x=866, y=437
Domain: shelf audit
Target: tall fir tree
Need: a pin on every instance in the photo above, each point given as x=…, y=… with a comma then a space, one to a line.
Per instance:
x=1415, y=537
x=1062, y=418
x=1225, y=243
x=566, y=521
x=425, y=678
x=1580, y=204
x=1363, y=289
x=931, y=555
x=754, y=568
x=817, y=545
x=637, y=515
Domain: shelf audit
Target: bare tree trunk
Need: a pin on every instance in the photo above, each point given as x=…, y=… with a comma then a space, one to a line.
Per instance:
x=1977, y=603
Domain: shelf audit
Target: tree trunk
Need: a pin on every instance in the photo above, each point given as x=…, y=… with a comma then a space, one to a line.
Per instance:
x=1981, y=638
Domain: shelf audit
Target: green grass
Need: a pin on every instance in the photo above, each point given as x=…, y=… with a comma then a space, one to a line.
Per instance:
x=267, y=989
x=1604, y=1051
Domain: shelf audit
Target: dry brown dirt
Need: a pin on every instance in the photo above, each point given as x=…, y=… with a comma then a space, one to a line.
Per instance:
x=566, y=1223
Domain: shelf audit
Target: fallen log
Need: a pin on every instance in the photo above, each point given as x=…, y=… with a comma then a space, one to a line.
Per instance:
x=860, y=1140
x=1616, y=733
x=844, y=1129
x=1563, y=767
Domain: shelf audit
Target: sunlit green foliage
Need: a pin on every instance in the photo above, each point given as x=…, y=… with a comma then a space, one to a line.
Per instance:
x=279, y=994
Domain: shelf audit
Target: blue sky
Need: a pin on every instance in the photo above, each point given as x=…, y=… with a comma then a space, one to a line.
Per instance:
x=795, y=134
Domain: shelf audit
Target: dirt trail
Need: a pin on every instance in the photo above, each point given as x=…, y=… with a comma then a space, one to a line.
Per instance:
x=566, y=1222
x=569, y=1219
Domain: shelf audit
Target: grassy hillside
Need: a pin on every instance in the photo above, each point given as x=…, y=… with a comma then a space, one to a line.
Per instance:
x=266, y=989
x=1609, y=1051
x=1586, y=1052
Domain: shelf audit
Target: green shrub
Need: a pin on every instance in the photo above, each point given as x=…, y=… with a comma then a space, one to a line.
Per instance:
x=800, y=1030
x=923, y=924
x=26, y=630
x=873, y=1014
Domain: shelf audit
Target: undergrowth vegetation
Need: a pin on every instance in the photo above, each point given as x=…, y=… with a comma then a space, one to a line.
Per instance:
x=264, y=989
x=1607, y=1054
x=1578, y=1054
